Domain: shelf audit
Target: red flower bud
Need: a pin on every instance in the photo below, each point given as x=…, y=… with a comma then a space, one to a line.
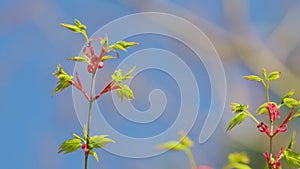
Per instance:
x=84, y=146
x=262, y=127
x=100, y=65
x=273, y=112
x=90, y=68
x=87, y=151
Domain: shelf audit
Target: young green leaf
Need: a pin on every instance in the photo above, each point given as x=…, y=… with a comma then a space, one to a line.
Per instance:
x=236, y=120
x=79, y=25
x=65, y=80
x=290, y=102
x=238, y=108
x=71, y=27
x=117, y=76
x=264, y=73
x=238, y=161
x=84, y=132
x=77, y=28
x=237, y=166
x=93, y=153
x=122, y=45
x=104, y=41
x=106, y=57
x=77, y=137
x=185, y=140
x=77, y=22
x=295, y=115
x=266, y=166
x=124, y=91
x=80, y=59
x=238, y=158
x=117, y=47
x=253, y=77
x=288, y=95
x=292, y=158
x=172, y=145
x=128, y=74
x=274, y=75
x=291, y=144
x=127, y=44
x=70, y=146
x=262, y=109
x=100, y=141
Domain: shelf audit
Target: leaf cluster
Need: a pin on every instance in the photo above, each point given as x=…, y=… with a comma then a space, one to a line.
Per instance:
x=241, y=113
x=292, y=158
x=238, y=161
x=64, y=80
x=123, y=90
x=183, y=144
x=78, y=27
x=74, y=144
x=265, y=78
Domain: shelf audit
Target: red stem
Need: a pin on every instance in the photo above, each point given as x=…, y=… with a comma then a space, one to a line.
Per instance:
x=108, y=88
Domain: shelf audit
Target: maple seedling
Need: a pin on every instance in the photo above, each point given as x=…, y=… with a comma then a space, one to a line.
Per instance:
x=271, y=109
x=94, y=63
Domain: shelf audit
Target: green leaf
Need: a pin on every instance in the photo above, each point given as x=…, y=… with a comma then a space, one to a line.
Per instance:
x=100, y=141
x=238, y=158
x=290, y=102
x=71, y=27
x=78, y=27
x=264, y=73
x=238, y=108
x=240, y=166
x=77, y=137
x=185, y=140
x=296, y=115
x=107, y=57
x=64, y=80
x=84, y=132
x=291, y=144
x=117, y=76
x=122, y=45
x=253, y=77
x=274, y=75
x=104, y=41
x=77, y=22
x=172, y=145
x=262, y=109
x=93, y=153
x=117, y=47
x=292, y=158
x=70, y=146
x=266, y=166
x=127, y=44
x=124, y=91
x=80, y=59
x=128, y=74
x=238, y=161
x=236, y=120
x=288, y=94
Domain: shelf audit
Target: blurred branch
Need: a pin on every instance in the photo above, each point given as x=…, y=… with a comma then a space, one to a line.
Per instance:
x=286, y=36
x=241, y=40
x=251, y=50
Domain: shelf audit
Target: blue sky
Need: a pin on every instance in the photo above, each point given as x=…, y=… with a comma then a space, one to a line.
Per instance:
x=32, y=43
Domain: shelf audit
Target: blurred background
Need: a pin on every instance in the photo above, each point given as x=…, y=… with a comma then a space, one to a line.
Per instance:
x=248, y=35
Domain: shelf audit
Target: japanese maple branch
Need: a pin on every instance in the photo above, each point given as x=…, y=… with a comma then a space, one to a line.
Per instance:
x=108, y=88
